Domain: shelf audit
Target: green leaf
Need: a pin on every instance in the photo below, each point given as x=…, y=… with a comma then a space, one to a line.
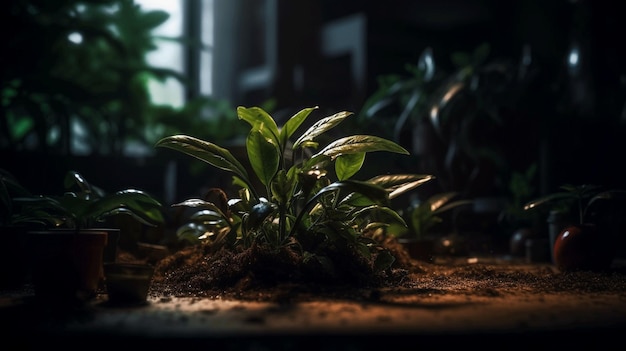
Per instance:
x=207, y=152
x=133, y=202
x=347, y=165
x=294, y=123
x=264, y=155
x=320, y=127
x=359, y=143
x=373, y=192
x=195, y=203
x=259, y=119
x=397, y=184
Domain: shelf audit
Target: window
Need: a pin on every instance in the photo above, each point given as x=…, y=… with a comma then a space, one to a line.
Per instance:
x=169, y=54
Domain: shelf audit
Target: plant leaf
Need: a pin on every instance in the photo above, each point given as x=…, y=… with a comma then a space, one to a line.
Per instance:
x=294, y=123
x=373, y=192
x=264, y=155
x=397, y=184
x=359, y=143
x=207, y=152
x=320, y=127
x=347, y=165
x=256, y=116
x=133, y=202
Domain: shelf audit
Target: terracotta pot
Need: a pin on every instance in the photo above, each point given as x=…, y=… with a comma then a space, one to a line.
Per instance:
x=583, y=247
x=419, y=249
x=128, y=283
x=110, y=250
x=66, y=264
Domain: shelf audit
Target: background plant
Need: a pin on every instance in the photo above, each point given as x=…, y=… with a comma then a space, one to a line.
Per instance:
x=577, y=200
x=423, y=216
x=83, y=205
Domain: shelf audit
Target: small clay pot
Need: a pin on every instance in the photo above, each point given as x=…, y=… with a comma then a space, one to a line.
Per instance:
x=128, y=283
x=583, y=247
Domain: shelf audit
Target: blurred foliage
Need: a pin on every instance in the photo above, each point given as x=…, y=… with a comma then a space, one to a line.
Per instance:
x=83, y=63
x=465, y=125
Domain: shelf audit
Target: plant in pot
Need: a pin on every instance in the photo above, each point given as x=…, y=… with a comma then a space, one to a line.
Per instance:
x=422, y=217
x=297, y=220
x=587, y=237
x=68, y=252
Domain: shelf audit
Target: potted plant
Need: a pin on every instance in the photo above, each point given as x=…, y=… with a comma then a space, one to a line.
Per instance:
x=69, y=250
x=422, y=217
x=297, y=219
x=586, y=240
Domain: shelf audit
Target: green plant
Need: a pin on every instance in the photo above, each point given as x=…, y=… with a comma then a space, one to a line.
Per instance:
x=423, y=216
x=400, y=100
x=83, y=205
x=81, y=66
x=576, y=200
x=463, y=124
x=296, y=201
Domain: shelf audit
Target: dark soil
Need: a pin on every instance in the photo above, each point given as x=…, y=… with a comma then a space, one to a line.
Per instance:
x=258, y=274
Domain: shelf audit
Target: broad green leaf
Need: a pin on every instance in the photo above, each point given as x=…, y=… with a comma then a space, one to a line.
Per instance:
x=205, y=151
x=374, y=192
x=390, y=215
x=256, y=116
x=209, y=206
x=356, y=200
x=397, y=184
x=294, y=123
x=146, y=217
x=347, y=165
x=359, y=143
x=264, y=155
x=320, y=127
x=135, y=202
x=208, y=217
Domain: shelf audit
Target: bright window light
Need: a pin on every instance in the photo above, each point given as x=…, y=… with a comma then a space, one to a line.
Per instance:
x=168, y=54
x=206, y=55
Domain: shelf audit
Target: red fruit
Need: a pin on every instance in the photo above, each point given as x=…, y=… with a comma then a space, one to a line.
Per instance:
x=583, y=247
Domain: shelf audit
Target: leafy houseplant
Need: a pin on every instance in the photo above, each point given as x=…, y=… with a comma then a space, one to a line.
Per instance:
x=68, y=251
x=586, y=241
x=84, y=205
x=421, y=218
x=297, y=208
